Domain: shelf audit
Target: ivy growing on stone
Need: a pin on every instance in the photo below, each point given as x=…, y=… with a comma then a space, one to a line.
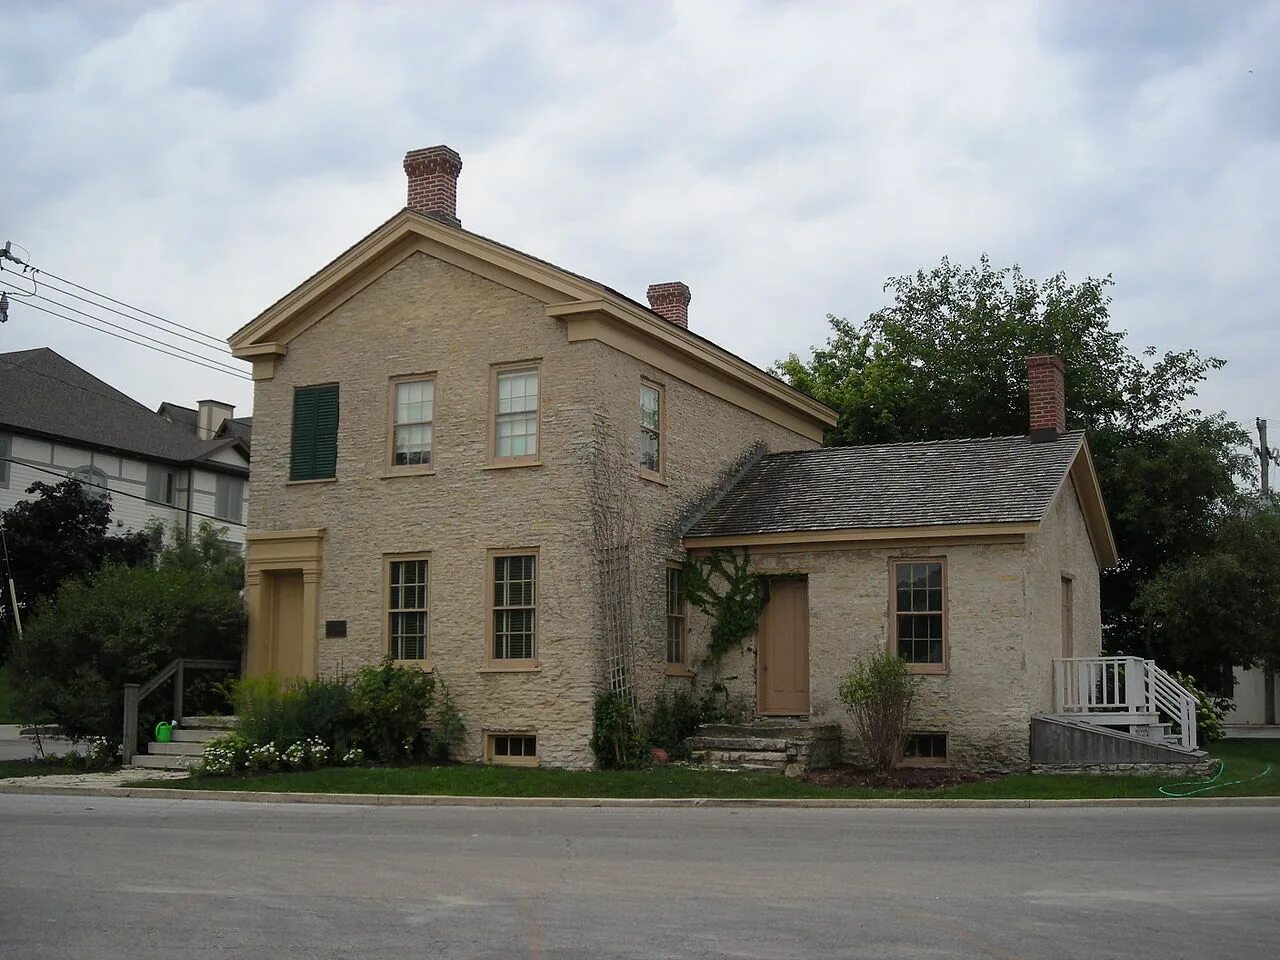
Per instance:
x=725, y=588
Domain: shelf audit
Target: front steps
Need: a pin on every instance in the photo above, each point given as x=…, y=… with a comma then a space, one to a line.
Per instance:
x=189, y=738
x=790, y=747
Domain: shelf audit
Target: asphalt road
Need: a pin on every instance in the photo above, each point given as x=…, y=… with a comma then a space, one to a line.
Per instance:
x=106, y=878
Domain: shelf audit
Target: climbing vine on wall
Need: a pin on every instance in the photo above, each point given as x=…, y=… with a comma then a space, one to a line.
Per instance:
x=725, y=588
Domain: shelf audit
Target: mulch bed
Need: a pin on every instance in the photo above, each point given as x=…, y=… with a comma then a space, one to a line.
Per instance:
x=904, y=778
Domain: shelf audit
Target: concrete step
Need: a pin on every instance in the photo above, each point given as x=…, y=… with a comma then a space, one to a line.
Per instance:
x=163, y=762
x=775, y=763
x=209, y=723
x=176, y=749
x=184, y=735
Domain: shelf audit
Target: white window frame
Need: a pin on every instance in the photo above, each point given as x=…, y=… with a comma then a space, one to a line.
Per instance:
x=658, y=431
x=394, y=423
x=497, y=416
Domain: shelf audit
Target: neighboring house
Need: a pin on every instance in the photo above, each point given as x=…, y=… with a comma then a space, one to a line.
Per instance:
x=58, y=421
x=479, y=463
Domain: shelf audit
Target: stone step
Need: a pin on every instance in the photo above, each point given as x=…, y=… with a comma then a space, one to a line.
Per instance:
x=163, y=762
x=742, y=756
x=209, y=723
x=702, y=742
x=198, y=735
x=771, y=729
x=717, y=761
x=188, y=748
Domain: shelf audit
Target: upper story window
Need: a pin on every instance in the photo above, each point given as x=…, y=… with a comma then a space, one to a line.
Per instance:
x=919, y=614
x=161, y=484
x=413, y=401
x=6, y=451
x=516, y=403
x=92, y=479
x=651, y=440
x=515, y=606
x=314, y=452
x=228, y=499
x=675, y=615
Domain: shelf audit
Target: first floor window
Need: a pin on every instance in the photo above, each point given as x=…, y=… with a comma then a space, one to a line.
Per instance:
x=228, y=500
x=515, y=424
x=918, y=620
x=407, y=608
x=412, y=429
x=675, y=615
x=925, y=748
x=161, y=484
x=515, y=583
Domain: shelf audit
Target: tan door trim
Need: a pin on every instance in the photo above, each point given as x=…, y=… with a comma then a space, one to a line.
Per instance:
x=284, y=550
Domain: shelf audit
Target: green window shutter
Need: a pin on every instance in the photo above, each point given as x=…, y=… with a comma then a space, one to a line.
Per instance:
x=315, y=433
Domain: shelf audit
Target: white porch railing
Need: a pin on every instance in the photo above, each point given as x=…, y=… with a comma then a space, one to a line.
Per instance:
x=1123, y=690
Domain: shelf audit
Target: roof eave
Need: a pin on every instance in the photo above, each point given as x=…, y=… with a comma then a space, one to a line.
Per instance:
x=863, y=535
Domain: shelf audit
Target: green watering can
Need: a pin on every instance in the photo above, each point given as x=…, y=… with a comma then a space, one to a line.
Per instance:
x=164, y=731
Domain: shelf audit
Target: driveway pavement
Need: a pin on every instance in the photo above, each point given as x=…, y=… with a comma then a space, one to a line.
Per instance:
x=110, y=877
x=14, y=746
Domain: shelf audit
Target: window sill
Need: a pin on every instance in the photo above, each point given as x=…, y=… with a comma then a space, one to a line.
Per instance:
x=654, y=478
x=933, y=762
x=531, y=666
x=500, y=465
x=426, y=666
x=514, y=761
x=392, y=474
x=308, y=483
x=929, y=669
x=678, y=670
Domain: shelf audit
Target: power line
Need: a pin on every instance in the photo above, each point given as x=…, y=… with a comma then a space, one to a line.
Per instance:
x=119, y=303
x=209, y=364
x=121, y=493
x=116, y=326
x=103, y=306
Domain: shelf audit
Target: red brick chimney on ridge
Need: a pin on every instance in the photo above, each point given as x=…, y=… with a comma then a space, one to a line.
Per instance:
x=671, y=302
x=433, y=182
x=1046, y=387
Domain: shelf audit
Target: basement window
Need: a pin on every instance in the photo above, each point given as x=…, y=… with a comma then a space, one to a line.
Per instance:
x=514, y=749
x=925, y=750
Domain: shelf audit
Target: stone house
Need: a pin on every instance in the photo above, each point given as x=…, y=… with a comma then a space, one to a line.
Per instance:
x=479, y=463
x=177, y=466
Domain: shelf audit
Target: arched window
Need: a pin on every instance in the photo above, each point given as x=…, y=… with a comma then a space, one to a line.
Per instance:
x=92, y=479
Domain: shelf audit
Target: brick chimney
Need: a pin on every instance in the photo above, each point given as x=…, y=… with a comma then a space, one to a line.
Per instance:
x=671, y=301
x=1046, y=387
x=433, y=182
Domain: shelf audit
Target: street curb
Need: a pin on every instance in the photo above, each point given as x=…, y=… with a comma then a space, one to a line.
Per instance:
x=412, y=800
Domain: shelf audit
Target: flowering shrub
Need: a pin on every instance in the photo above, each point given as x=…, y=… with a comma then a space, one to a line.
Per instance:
x=317, y=752
x=100, y=753
x=264, y=757
x=224, y=755
x=353, y=757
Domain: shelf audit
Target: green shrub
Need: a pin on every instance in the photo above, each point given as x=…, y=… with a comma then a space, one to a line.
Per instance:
x=1211, y=711
x=674, y=718
x=392, y=706
x=617, y=736
x=268, y=709
x=447, y=728
x=878, y=693
x=123, y=625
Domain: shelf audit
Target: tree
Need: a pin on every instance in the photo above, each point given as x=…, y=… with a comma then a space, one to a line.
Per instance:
x=946, y=359
x=1230, y=591
x=62, y=533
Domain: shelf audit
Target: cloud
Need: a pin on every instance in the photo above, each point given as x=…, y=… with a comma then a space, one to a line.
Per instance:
x=783, y=159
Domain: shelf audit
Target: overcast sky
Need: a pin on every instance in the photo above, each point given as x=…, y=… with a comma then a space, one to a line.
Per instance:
x=200, y=159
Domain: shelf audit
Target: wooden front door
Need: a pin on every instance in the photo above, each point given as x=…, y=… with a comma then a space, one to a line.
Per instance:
x=284, y=623
x=782, y=658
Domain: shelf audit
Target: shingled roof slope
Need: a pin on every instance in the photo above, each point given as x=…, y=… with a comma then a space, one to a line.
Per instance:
x=43, y=392
x=940, y=483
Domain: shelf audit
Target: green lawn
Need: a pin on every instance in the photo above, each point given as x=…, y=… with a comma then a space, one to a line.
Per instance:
x=6, y=697
x=31, y=768
x=1243, y=758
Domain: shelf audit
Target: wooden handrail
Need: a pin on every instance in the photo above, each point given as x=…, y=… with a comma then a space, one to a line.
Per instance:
x=133, y=694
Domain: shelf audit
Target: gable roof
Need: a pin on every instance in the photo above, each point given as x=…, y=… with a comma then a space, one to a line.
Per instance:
x=44, y=393
x=577, y=299
x=241, y=428
x=989, y=485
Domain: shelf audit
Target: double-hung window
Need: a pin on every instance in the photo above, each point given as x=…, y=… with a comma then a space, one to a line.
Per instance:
x=6, y=451
x=228, y=498
x=675, y=616
x=651, y=413
x=407, y=607
x=516, y=402
x=412, y=411
x=314, y=448
x=919, y=614
x=515, y=606
x=161, y=484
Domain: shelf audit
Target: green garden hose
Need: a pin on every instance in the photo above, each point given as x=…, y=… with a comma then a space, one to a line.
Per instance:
x=1210, y=782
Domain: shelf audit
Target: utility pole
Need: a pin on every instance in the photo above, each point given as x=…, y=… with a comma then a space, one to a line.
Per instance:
x=1266, y=455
